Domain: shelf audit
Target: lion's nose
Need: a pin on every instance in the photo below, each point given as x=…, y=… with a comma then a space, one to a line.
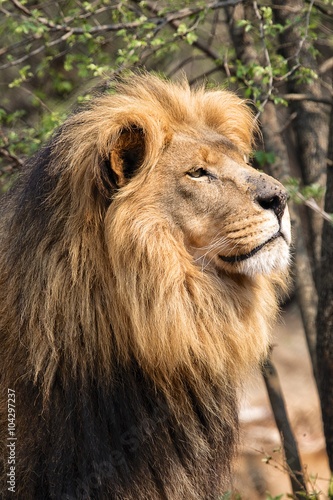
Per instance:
x=272, y=198
x=269, y=194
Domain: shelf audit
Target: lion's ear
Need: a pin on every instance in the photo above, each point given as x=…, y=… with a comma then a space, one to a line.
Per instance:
x=127, y=154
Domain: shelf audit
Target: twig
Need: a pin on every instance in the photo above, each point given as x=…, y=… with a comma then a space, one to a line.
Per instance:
x=213, y=28
x=326, y=66
x=203, y=76
x=311, y=203
x=172, y=20
x=37, y=51
x=307, y=24
x=266, y=57
x=179, y=66
x=306, y=97
x=6, y=154
x=322, y=8
x=289, y=73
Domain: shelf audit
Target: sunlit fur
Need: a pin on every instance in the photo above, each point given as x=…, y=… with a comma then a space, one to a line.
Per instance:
x=100, y=295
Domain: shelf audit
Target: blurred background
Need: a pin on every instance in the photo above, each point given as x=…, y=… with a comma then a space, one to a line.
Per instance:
x=277, y=54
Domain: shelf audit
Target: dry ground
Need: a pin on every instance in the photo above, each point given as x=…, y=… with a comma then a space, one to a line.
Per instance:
x=254, y=478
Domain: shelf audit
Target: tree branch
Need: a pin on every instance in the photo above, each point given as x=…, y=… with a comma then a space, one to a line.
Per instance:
x=326, y=66
x=311, y=203
x=173, y=19
x=266, y=56
x=18, y=163
x=282, y=422
x=306, y=97
x=39, y=49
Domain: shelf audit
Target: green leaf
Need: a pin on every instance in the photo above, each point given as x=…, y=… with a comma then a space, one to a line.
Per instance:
x=24, y=74
x=330, y=487
x=191, y=37
x=264, y=157
x=314, y=190
x=270, y=497
x=182, y=29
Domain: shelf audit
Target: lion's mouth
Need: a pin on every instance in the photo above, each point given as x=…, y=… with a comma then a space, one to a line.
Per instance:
x=239, y=258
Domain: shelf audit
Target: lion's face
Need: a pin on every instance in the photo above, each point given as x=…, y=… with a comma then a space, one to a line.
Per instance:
x=232, y=216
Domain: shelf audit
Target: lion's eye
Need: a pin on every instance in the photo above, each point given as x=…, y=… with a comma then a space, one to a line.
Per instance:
x=199, y=172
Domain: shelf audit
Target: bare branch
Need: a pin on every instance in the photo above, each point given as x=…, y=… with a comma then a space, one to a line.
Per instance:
x=282, y=422
x=182, y=63
x=322, y=8
x=326, y=66
x=37, y=51
x=307, y=24
x=306, y=97
x=266, y=56
x=6, y=154
x=311, y=203
x=173, y=19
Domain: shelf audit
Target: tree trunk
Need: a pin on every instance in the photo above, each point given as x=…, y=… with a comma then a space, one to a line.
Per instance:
x=325, y=312
x=310, y=123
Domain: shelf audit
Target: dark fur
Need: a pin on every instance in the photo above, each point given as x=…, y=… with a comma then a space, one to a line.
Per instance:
x=123, y=442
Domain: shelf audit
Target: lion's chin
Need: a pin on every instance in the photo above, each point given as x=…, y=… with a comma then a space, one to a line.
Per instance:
x=271, y=256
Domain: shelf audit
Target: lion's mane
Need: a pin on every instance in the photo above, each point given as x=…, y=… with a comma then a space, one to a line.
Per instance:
x=124, y=354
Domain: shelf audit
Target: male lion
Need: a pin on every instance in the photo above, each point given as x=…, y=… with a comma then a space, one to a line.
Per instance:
x=140, y=260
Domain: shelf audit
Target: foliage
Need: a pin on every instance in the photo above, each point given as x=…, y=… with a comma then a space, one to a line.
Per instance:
x=54, y=51
x=264, y=157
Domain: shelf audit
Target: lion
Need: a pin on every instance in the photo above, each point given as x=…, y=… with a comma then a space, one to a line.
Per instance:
x=141, y=263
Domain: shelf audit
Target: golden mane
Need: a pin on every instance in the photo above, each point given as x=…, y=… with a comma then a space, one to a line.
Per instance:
x=94, y=276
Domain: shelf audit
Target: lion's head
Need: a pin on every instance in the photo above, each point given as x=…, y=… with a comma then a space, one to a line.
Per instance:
x=195, y=236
